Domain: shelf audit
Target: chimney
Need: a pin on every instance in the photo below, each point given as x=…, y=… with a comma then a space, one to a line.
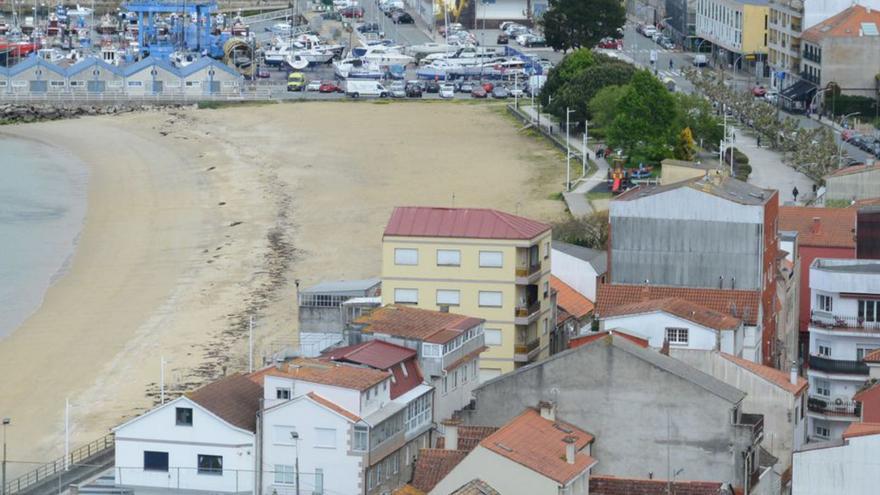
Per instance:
x=569, y=448
x=548, y=410
x=451, y=434
x=794, y=373
x=817, y=225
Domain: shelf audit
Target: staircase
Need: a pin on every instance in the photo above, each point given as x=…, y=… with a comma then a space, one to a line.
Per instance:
x=56, y=476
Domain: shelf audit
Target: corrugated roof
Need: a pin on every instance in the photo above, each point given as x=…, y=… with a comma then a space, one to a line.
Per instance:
x=343, y=286
x=779, y=378
x=743, y=304
x=418, y=324
x=539, y=444
x=235, y=399
x=846, y=24
x=478, y=223
x=327, y=373
x=572, y=301
x=690, y=311
x=374, y=353
x=721, y=186
x=861, y=429
x=820, y=227
x=611, y=485
x=598, y=259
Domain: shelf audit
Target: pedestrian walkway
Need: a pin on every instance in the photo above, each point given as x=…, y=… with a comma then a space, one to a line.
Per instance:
x=770, y=172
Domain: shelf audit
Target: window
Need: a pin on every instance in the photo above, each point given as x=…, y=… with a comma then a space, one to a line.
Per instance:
x=370, y=479
x=395, y=462
x=823, y=387
x=403, y=370
x=546, y=326
x=448, y=297
x=491, y=259
x=493, y=336
x=822, y=432
x=824, y=348
x=135, y=84
x=191, y=84
x=677, y=336
x=431, y=350
x=448, y=257
x=184, y=416
x=868, y=311
x=418, y=413
x=823, y=303
x=546, y=289
x=406, y=256
x=406, y=296
x=155, y=461
x=455, y=379
x=282, y=393
x=490, y=299
x=319, y=482
x=56, y=84
x=546, y=250
x=359, y=439
x=325, y=438
x=863, y=350
x=445, y=384
x=210, y=464
x=284, y=474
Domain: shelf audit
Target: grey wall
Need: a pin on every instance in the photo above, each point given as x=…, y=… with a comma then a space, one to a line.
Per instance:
x=638, y=413
x=320, y=319
x=692, y=253
x=854, y=186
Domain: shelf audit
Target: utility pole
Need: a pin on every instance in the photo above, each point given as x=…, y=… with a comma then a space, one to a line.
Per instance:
x=584, y=159
x=251, y=344
x=567, y=151
x=162, y=380
x=6, y=422
x=67, y=434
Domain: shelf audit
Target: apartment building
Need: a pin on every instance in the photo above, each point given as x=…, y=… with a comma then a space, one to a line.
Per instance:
x=844, y=328
x=847, y=465
x=482, y=263
x=737, y=29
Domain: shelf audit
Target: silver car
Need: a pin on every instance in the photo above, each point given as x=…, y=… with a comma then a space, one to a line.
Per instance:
x=397, y=90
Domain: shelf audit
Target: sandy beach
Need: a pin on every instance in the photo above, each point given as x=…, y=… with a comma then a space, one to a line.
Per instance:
x=198, y=218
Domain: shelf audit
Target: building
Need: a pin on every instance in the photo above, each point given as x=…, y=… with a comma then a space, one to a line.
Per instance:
x=868, y=227
x=207, y=76
x=151, y=76
x=781, y=397
x=337, y=428
x=433, y=464
x=737, y=30
x=652, y=415
x=869, y=396
x=612, y=485
x=853, y=183
x=478, y=262
x=672, y=171
x=582, y=269
x=844, y=324
x=92, y=75
x=201, y=441
x=682, y=324
x=574, y=312
x=448, y=347
x=706, y=233
x=535, y=452
x=682, y=23
x=36, y=76
x=321, y=306
x=847, y=465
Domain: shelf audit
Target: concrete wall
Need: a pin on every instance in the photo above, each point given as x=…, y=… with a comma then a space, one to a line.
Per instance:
x=852, y=468
x=638, y=413
x=321, y=319
x=852, y=64
x=575, y=272
x=653, y=327
x=141, y=83
x=457, y=396
x=854, y=186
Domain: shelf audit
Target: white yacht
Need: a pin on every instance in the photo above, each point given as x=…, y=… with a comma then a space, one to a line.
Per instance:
x=382, y=55
x=356, y=68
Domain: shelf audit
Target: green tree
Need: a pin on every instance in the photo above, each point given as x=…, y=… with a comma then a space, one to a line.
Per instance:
x=577, y=93
x=573, y=64
x=603, y=106
x=698, y=115
x=589, y=231
x=647, y=120
x=581, y=23
x=685, y=148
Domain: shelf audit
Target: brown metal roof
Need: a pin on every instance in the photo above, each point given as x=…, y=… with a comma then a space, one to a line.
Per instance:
x=327, y=373
x=479, y=223
x=418, y=324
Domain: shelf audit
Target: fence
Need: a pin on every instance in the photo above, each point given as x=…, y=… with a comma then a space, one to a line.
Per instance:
x=281, y=480
x=91, y=456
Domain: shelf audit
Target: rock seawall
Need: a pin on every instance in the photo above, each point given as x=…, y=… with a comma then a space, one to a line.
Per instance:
x=17, y=113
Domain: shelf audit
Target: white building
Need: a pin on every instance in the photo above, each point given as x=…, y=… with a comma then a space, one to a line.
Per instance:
x=580, y=268
x=844, y=327
x=684, y=325
x=850, y=465
x=204, y=441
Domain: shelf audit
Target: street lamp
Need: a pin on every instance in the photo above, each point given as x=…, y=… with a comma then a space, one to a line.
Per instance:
x=840, y=143
x=568, y=112
x=295, y=437
x=6, y=422
x=813, y=100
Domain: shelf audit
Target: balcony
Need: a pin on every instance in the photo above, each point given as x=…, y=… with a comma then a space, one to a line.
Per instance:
x=812, y=56
x=528, y=274
x=838, y=366
x=527, y=314
x=524, y=353
x=838, y=408
x=756, y=423
x=434, y=366
x=830, y=321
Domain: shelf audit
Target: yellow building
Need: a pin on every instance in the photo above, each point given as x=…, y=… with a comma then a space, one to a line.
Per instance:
x=737, y=28
x=476, y=262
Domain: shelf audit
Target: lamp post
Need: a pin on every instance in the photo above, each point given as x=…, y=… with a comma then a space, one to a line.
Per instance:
x=813, y=100
x=295, y=437
x=6, y=422
x=568, y=112
x=840, y=142
x=586, y=146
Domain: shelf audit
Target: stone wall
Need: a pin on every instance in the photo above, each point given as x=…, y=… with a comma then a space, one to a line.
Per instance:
x=15, y=113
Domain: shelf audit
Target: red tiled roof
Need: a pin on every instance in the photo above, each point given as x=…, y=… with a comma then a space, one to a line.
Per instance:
x=847, y=24
x=374, y=353
x=866, y=392
x=820, y=227
x=610, y=485
x=587, y=339
x=468, y=437
x=327, y=373
x=235, y=399
x=738, y=303
x=479, y=223
x=419, y=324
x=571, y=300
x=679, y=307
x=861, y=429
x=538, y=444
x=779, y=378
x=335, y=407
x=872, y=357
x=433, y=465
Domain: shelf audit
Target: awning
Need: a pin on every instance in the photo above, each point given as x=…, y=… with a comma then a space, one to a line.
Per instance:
x=799, y=91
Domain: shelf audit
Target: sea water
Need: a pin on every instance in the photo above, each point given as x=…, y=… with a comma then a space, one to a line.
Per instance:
x=42, y=209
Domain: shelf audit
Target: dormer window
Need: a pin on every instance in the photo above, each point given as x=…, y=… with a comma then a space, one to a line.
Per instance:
x=282, y=393
x=184, y=416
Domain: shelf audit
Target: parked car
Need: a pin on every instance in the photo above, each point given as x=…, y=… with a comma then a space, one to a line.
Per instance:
x=331, y=15
x=329, y=87
x=447, y=91
x=263, y=72
x=759, y=91
x=516, y=91
x=488, y=86
x=534, y=40
x=352, y=12
x=649, y=31
x=397, y=90
x=356, y=89
x=403, y=18
x=465, y=87
x=503, y=39
x=296, y=81
x=390, y=13
x=368, y=27
x=478, y=92
x=700, y=60
x=413, y=89
x=500, y=92
x=314, y=86
x=666, y=42
x=610, y=44
x=432, y=87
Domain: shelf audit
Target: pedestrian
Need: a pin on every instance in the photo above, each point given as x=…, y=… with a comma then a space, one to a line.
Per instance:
x=759, y=140
x=670, y=65
x=794, y=192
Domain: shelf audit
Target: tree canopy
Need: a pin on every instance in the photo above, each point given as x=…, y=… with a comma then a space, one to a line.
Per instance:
x=581, y=23
x=647, y=120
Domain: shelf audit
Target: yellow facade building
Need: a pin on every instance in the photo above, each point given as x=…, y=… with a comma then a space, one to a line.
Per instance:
x=476, y=262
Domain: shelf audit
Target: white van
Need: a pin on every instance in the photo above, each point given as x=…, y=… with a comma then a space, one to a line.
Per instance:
x=356, y=89
x=700, y=60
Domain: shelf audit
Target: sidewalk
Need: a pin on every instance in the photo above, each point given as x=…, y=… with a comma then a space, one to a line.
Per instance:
x=770, y=172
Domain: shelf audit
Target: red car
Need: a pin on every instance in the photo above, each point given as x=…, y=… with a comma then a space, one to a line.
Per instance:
x=329, y=87
x=352, y=12
x=611, y=44
x=759, y=91
x=488, y=86
x=479, y=92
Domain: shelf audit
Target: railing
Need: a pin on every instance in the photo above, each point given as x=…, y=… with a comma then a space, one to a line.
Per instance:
x=434, y=366
x=821, y=319
x=813, y=57
x=80, y=455
x=526, y=311
x=756, y=422
x=266, y=16
x=837, y=407
x=527, y=348
x=841, y=366
x=525, y=271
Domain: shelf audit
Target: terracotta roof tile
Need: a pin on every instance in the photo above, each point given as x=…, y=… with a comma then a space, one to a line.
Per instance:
x=235, y=399
x=742, y=304
x=433, y=465
x=861, y=429
x=476, y=487
x=414, y=323
x=561, y=315
x=571, y=300
x=679, y=307
x=867, y=391
x=538, y=444
x=592, y=337
x=834, y=227
x=335, y=407
x=610, y=485
x=846, y=24
x=479, y=223
x=328, y=373
x=777, y=377
x=872, y=357
x=469, y=437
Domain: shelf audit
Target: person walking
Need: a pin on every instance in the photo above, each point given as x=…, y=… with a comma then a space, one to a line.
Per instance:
x=794, y=192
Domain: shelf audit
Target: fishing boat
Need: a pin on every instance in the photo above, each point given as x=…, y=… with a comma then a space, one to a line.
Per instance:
x=4, y=26
x=382, y=55
x=10, y=51
x=107, y=25
x=182, y=59
x=52, y=55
